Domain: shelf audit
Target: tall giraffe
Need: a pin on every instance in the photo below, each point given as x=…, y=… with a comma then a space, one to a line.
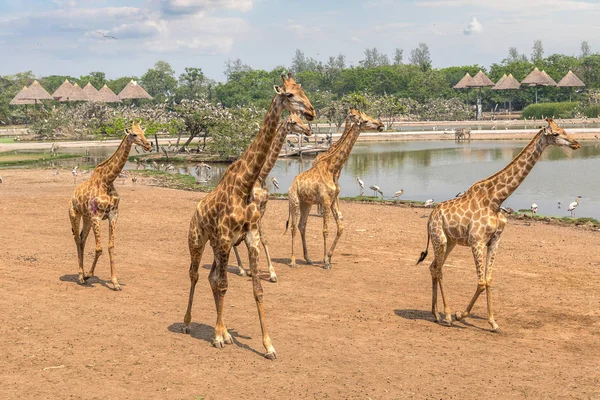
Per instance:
x=229, y=212
x=97, y=199
x=319, y=185
x=474, y=219
x=293, y=124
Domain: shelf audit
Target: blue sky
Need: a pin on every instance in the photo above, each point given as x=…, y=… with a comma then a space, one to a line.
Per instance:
x=72, y=37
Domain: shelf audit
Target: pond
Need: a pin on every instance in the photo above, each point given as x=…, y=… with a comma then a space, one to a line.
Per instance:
x=441, y=169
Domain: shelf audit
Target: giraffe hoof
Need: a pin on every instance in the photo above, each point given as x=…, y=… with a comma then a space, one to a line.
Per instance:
x=117, y=287
x=185, y=329
x=272, y=355
x=273, y=278
x=242, y=272
x=218, y=343
x=81, y=280
x=496, y=329
x=228, y=339
x=459, y=316
x=308, y=261
x=327, y=266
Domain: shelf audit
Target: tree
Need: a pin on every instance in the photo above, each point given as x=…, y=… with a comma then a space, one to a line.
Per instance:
x=199, y=117
x=514, y=56
x=194, y=84
x=398, y=54
x=388, y=108
x=585, y=49
x=235, y=66
x=160, y=81
x=537, y=53
x=96, y=78
x=421, y=57
x=373, y=58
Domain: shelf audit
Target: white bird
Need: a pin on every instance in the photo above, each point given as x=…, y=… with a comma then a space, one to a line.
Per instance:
x=162, y=166
x=361, y=184
x=170, y=167
x=133, y=179
x=534, y=208
x=155, y=165
x=429, y=203
x=573, y=206
x=376, y=190
x=398, y=193
x=275, y=183
x=74, y=173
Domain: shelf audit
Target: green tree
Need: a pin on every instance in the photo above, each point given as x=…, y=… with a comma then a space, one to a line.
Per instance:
x=160, y=81
x=537, y=52
x=398, y=55
x=96, y=78
x=585, y=49
x=194, y=84
x=421, y=57
x=373, y=58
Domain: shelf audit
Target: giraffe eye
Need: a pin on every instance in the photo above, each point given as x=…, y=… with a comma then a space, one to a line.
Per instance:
x=289, y=94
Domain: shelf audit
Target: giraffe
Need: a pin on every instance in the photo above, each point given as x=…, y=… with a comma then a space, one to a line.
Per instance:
x=319, y=185
x=474, y=219
x=97, y=199
x=293, y=124
x=229, y=212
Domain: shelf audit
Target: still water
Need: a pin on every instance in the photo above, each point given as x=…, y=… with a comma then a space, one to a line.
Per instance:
x=441, y=169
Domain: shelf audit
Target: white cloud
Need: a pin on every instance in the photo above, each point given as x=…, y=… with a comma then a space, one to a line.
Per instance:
x=473, y=27
x=180, y=7
x=516, y=5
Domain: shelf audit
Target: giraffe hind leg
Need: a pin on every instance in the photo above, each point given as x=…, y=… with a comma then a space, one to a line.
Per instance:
x=196, y=245
x=75, y=223
x=441, y=250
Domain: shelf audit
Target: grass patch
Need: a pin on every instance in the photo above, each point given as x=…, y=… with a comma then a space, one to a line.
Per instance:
x=7, y=140
x=14, y=158
x=175, y=181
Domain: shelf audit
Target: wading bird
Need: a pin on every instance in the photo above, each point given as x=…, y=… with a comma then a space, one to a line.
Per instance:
x=361, y=184
x=534, y=208
x=376, y=190
x=74, y=173
x=398, y=193
x=573, y=206
x=275, y=183
x=429, y=203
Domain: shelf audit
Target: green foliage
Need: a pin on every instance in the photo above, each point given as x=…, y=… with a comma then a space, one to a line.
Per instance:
x=592, y=111
x=160, y=81
x=554, y=110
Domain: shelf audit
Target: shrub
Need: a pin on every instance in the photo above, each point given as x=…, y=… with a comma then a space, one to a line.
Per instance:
x=554, y=110
x=592, y=111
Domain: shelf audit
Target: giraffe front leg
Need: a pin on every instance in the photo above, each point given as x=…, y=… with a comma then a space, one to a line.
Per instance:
x=491, y=256
x=219, y=284
x=337, y=216
x=112, y=225
x=326, y=264
x=264, y=242
x=96, y=228
x=304, y=213
x=85, y=231
x=253, y=240
x=75, y=221
x=241, y=269
x=478, y=254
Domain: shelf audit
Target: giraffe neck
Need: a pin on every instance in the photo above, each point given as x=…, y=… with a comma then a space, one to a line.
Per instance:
x=506, y=181
x=326, y=157
x=342, y=151
x=255, y=156
x=108, y=170
x=275, y=148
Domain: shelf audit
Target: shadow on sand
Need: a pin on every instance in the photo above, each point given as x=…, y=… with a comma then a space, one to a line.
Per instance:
x=90, y=282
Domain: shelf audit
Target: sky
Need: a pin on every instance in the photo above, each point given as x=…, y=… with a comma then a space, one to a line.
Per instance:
x=126, y=37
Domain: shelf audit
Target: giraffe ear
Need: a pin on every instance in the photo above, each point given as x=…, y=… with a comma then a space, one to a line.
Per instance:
x=278, y=89
x=127, y=131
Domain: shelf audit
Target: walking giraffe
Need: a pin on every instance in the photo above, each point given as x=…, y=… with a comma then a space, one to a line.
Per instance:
x=474, y=219
x=293, y=124
x=97, y=199
x=319, y=185
x=229, y=212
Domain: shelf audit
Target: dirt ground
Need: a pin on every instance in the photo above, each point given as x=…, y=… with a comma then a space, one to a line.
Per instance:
x=360, y=330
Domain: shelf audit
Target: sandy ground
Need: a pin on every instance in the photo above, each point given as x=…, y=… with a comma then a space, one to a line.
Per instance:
x=361, y=330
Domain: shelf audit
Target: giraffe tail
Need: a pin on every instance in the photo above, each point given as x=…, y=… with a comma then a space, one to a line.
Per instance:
x=424, y=253
x=287, y=223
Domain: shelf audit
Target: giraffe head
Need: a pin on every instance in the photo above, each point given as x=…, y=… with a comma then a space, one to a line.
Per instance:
x=136, y=136
x=369, y=123
x=293, y=97
x=296, y=125
x=557, y=136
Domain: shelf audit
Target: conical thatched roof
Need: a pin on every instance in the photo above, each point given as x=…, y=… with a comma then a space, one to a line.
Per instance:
x=133, y=91
x=462, y=84
x=538, y=78
x=480, y=80
x=36, y=92
x=507, y=83
x=105, y=95
x=90, y=92
x=551, y=82
x=19, y=98
x=499, y=82
x=78, y=94
x=63, y=90
x=570, y=80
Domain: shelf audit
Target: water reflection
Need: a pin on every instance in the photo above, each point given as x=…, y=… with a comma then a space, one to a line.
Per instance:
x=440, y=169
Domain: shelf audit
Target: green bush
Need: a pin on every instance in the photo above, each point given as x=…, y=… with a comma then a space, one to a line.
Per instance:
x=592, y=111
x=554, y=110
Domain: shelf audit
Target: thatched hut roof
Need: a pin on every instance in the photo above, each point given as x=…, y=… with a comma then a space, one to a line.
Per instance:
x=90, y=92
x=538, y=78
x=480, y=80
x=133, y=91
x=63, y=90
x=570, y=80
x=77, y=94
x=551, y=81
x=507, y=83
x=462, y=84
x=105, y=95
x=19, y=98
x=499, y=82
x=36, y=92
